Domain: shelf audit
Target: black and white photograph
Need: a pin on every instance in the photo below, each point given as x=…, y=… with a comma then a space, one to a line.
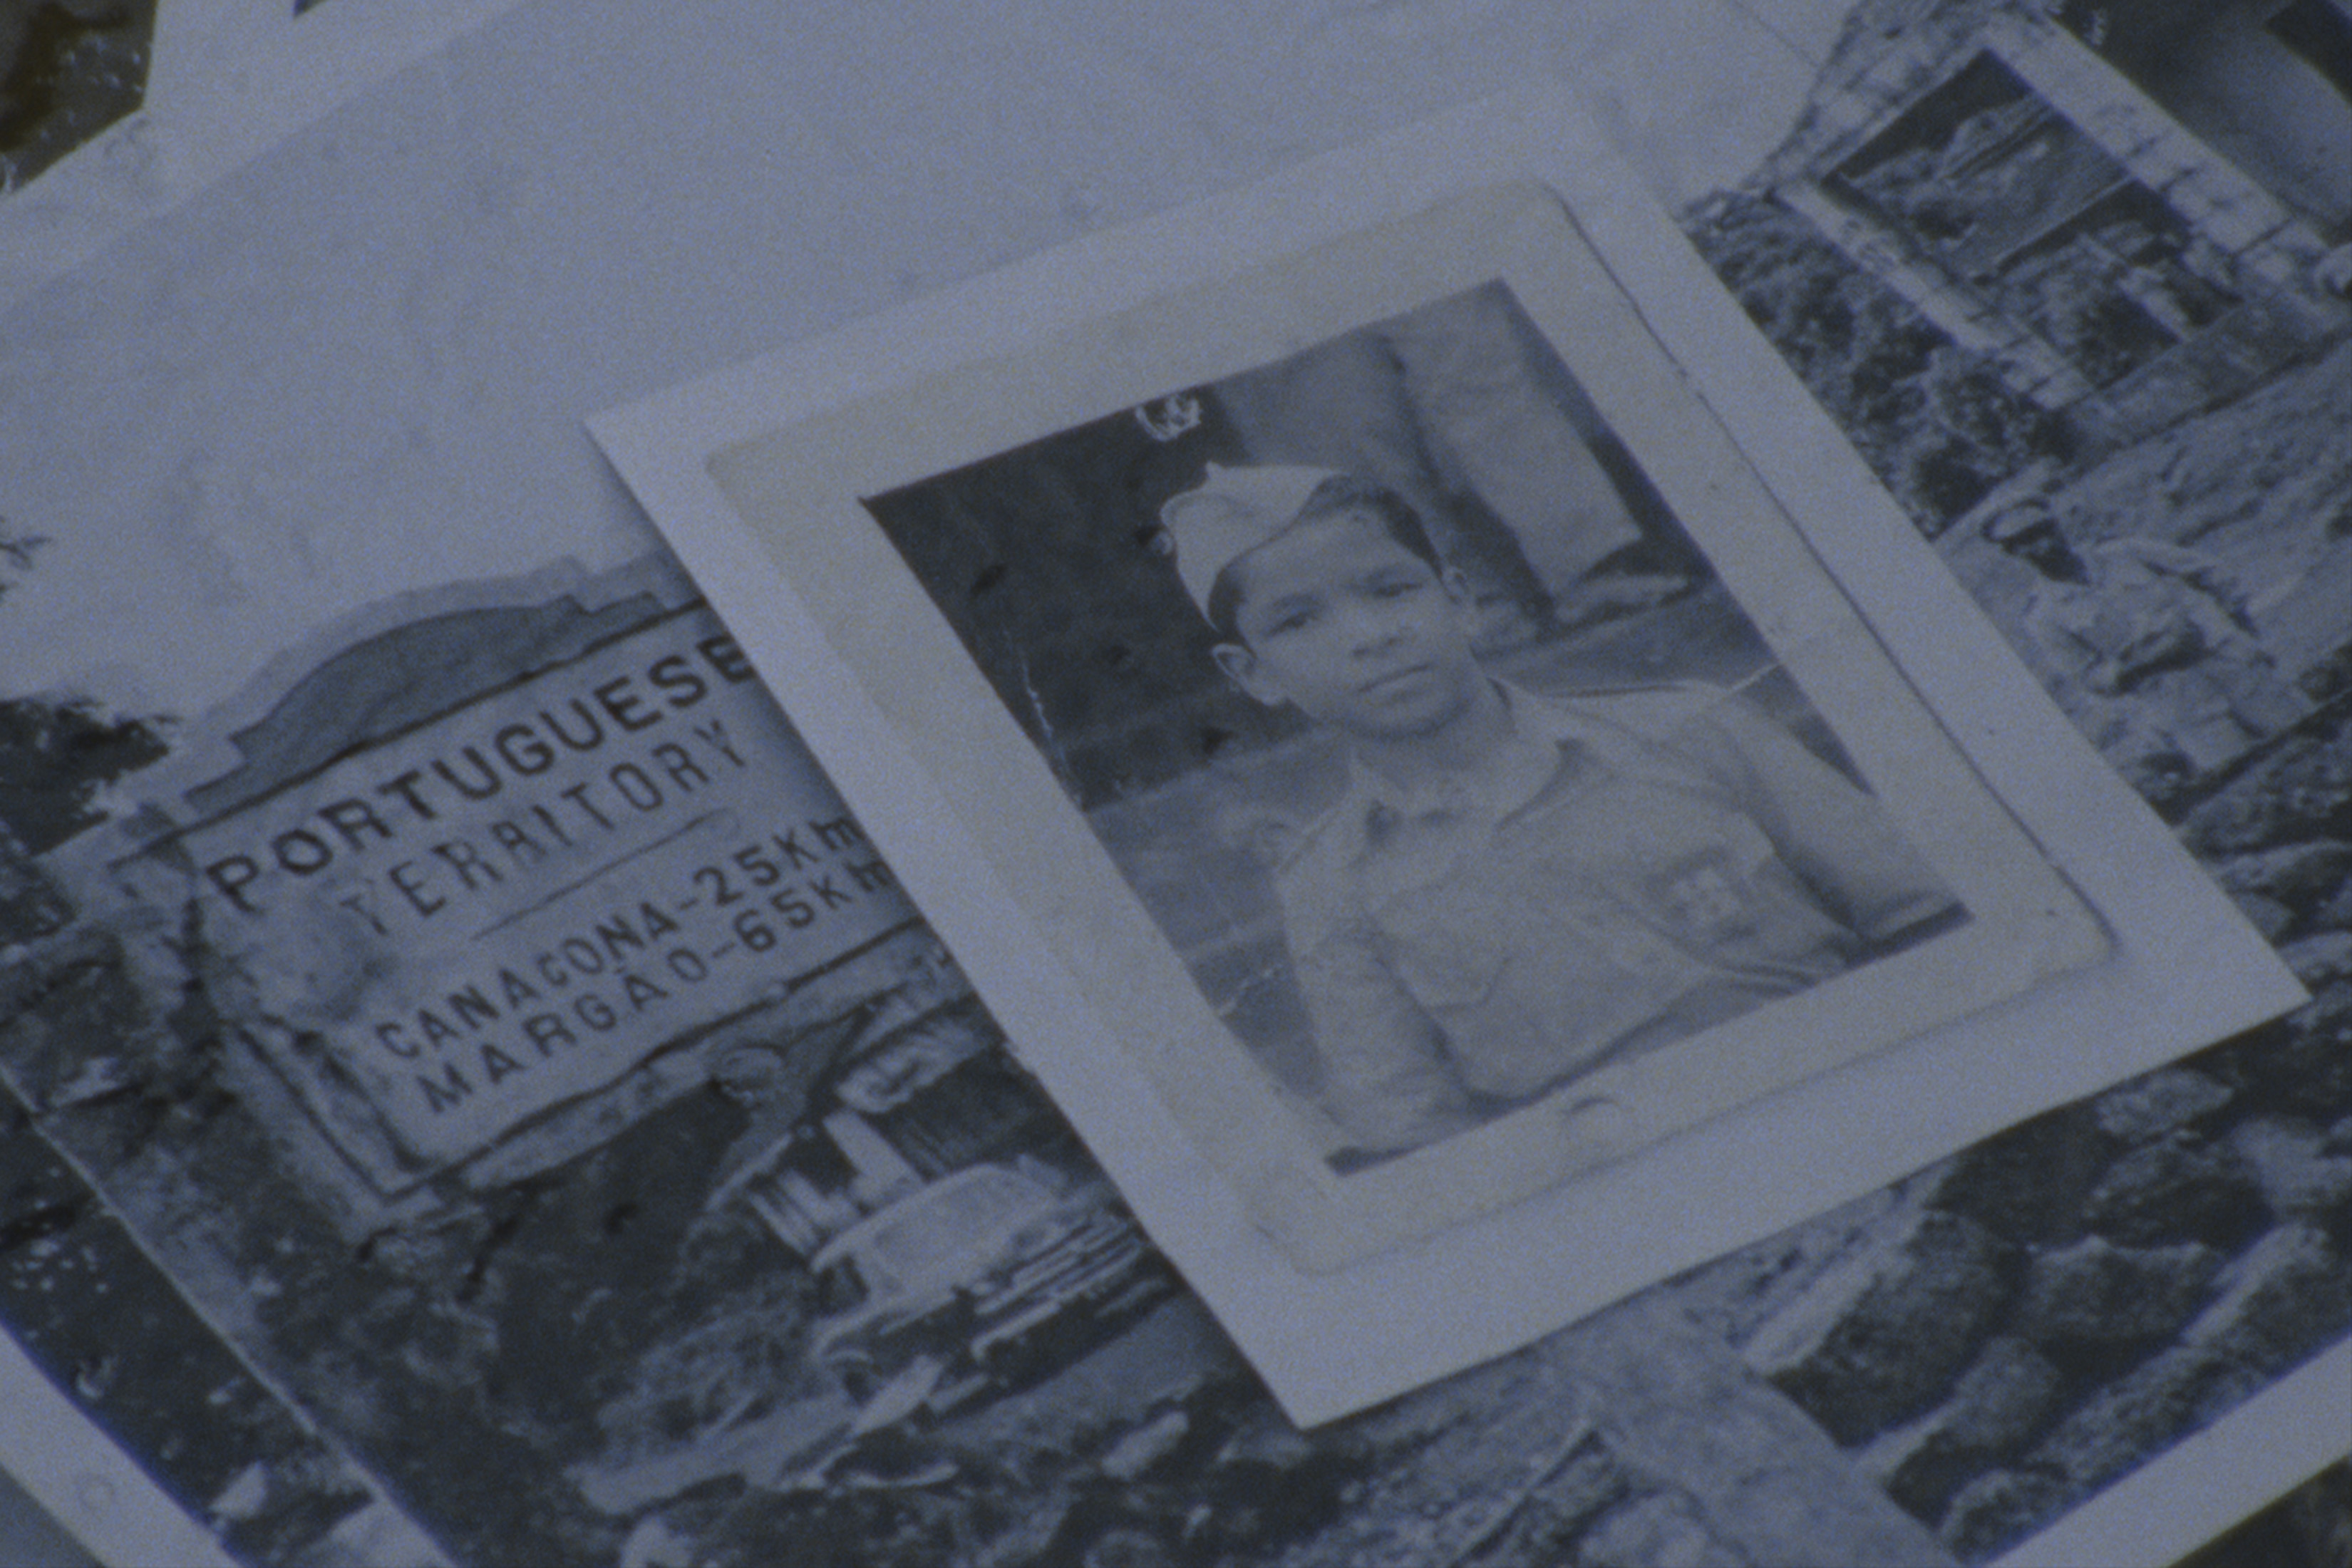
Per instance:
x=497, y=1066
x=1440, y=829
x=1425, y=734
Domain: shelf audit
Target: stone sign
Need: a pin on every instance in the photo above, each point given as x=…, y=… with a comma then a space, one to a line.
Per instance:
x=460, y=927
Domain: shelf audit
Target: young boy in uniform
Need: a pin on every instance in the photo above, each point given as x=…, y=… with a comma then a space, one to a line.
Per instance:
x=1515, y=890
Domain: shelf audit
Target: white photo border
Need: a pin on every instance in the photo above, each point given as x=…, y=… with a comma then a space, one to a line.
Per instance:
x=1553, y=1258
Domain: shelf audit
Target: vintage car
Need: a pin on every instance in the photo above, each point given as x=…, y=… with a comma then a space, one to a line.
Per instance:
x=984, y=1273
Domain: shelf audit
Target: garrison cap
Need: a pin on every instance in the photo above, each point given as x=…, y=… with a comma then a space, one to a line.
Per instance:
x=1231, y=511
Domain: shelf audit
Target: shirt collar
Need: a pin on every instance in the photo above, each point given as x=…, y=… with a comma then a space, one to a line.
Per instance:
x=1519, y=769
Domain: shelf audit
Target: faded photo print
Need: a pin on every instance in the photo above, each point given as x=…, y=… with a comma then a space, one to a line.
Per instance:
x=1416, y=723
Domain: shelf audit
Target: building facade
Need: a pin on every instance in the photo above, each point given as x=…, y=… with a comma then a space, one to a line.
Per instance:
x=2134, y=211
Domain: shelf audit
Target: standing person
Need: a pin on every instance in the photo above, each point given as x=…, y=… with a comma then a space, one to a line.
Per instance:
x=1515, y=890
x=2158, y=631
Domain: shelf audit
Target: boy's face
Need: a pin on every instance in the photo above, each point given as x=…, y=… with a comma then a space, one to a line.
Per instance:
x=1358, y=632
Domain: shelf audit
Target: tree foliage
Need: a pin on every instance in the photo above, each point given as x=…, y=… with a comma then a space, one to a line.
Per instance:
x=17, y=552
x=55, y=757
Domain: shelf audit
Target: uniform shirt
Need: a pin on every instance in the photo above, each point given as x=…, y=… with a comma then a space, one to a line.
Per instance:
x=1624, y=870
